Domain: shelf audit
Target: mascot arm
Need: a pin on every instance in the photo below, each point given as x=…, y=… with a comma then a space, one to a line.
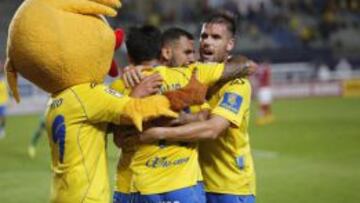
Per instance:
x=103, y=104
x=148, y=108
x=192, y=94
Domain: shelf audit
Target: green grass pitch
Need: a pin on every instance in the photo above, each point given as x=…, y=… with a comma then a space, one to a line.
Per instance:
x=310, y=154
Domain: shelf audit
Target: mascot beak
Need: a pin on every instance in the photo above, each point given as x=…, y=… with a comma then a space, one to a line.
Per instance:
x=119, y=38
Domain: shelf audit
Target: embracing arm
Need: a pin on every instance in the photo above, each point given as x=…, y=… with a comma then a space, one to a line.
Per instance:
x=209, y=129
x=237, y=67
x=185, y=118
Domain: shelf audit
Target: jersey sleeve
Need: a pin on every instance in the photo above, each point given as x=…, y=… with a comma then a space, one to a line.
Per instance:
x=235, y=98
x=208, y=73
x=102, y=104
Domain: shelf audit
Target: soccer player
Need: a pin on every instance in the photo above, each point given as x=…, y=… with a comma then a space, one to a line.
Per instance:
x=143, y=46
x=35, y=138
x=225, y=157
x=174, y=40
x=168, y=171
x=264, y=94
x=177, y=48
x=3, y=102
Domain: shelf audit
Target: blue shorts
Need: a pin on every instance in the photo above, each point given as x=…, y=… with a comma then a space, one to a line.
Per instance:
x=226, y=198
x=194, y=194
x=2, y=110
x=120, y=197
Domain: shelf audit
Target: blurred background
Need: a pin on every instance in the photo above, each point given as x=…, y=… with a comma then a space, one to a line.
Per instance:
x=308, y=152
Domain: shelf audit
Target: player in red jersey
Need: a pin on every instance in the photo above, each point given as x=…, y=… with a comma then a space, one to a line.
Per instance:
x=264, y=94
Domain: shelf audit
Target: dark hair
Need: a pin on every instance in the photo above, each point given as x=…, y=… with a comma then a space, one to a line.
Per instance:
x=143, y=43
x=223, y=18
x=173, y=34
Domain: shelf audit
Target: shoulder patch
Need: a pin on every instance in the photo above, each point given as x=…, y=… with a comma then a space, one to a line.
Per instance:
x=113, y=92
x=231, y=101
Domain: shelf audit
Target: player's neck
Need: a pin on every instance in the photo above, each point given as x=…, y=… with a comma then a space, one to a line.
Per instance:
x=152, y=62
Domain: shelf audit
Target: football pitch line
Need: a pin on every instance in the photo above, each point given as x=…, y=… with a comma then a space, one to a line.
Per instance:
x=265, y=154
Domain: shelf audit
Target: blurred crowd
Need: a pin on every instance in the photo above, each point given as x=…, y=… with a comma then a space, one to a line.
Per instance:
x=270, y=23
x=264, y=26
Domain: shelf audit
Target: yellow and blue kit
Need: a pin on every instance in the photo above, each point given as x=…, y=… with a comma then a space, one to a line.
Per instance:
x=164, y=166
x=4, y=97
x=76, y=121
x=226, y=163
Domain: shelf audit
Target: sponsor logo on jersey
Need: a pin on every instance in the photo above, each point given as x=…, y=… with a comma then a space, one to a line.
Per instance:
x=113, y=92
x=163, y=162
x=231, y=101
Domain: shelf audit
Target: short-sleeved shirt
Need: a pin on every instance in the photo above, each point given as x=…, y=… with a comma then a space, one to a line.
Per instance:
x=4, y=97
x=226, y=163
x=164, y=166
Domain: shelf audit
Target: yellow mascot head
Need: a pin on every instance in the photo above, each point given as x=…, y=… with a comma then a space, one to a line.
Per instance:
x=56, y=44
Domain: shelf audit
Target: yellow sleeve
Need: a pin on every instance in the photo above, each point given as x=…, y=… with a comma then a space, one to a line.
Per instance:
x=235, y=98
x=3, y=93
x=208, y=73
x=101, y=103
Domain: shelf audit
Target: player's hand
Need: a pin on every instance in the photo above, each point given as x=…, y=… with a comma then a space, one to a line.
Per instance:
x=247, y=66
x=149, y=85
x=132, y=75
x=151, y=135
x=251, y=67
x=192, y=94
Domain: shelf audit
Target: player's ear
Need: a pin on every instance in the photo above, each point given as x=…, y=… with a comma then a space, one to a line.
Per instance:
x=166, y=53
x=230, y=45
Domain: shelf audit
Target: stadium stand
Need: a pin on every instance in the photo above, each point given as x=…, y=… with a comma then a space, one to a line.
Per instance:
x=311, y=32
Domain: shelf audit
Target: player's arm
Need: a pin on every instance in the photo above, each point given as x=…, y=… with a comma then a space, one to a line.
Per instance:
x=209, y=129
x=237, y=67
x=149, y=85
x=230, y=110
x=185, y=118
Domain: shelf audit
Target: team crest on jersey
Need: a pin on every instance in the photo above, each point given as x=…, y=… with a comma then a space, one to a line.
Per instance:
x=231, y=101
x=113, y=92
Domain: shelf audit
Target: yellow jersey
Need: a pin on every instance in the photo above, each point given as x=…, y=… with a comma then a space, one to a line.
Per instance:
x=76, y=122
x=3, y=93
x=226, y=163
x=164, y=166
x=124, y=175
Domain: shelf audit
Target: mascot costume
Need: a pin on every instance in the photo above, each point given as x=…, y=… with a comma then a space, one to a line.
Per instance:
x=65, y=47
